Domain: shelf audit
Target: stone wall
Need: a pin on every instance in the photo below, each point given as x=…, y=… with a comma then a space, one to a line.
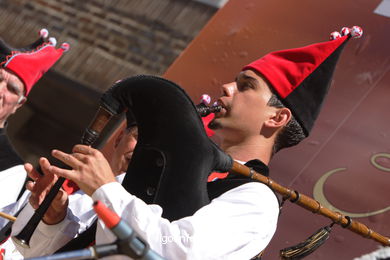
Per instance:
x=110, y=40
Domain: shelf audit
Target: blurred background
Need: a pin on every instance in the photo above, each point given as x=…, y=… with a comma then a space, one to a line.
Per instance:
x=344, y=164
x=109, y=40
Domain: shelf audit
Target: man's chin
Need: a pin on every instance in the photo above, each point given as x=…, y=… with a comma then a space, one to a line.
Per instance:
x=214, y=125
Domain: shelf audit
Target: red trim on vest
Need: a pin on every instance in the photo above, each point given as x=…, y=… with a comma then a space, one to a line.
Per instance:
x=216, y=176
x=2, y=242
x=206, y=120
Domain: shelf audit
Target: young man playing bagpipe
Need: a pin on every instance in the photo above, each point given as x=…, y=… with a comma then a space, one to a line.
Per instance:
x=272, y=104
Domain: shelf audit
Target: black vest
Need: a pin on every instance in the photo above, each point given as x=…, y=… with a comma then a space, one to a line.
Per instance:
x=218, y=187
x=8, y=155
x=8, y=158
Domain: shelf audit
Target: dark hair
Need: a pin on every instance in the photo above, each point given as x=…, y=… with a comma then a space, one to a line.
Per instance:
x=291, y=134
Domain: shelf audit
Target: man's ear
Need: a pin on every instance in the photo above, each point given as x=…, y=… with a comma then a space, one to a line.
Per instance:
x=22, y=100
x=20, y=103
x=280, y=118
x=118, y=138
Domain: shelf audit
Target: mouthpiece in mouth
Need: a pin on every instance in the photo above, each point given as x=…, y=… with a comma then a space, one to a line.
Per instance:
x=204, y=110
x=215, y=108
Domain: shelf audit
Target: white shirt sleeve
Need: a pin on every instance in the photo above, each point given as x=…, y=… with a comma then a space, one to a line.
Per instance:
x=12, y=209
x=11, y=183
x=236, y=225
x=49, y=238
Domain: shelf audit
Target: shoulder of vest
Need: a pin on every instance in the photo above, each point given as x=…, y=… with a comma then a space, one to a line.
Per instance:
x=8, y=155
x=218, y=187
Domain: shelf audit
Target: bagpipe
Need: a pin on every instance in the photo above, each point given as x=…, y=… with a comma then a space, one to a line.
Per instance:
x=174, y=156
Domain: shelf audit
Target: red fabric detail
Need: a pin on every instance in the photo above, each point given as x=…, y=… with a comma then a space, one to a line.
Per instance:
x=31, y=66
x=70, y=187
x=2, y=253
x=286, y=69
x=206, y=120
x=217, y=175
x=109, y=218
x=2, y=242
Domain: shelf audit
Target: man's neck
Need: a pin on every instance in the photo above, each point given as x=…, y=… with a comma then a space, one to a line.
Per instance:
x=250, y=148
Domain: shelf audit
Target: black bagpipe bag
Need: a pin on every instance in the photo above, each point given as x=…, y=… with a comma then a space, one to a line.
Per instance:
x=173, y=156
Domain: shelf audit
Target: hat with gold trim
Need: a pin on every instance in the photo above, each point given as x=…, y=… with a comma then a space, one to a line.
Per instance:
x=29, y=63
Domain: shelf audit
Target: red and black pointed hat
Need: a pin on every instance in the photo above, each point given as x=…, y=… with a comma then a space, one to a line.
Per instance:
x=301, y=77
x=31, y=62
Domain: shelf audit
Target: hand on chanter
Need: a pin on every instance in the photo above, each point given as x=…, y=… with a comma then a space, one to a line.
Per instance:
x=90, y=169
x=40, y=187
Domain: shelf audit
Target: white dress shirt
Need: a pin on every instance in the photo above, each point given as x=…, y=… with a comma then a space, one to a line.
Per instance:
x=11, y=183
x=236, y=225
